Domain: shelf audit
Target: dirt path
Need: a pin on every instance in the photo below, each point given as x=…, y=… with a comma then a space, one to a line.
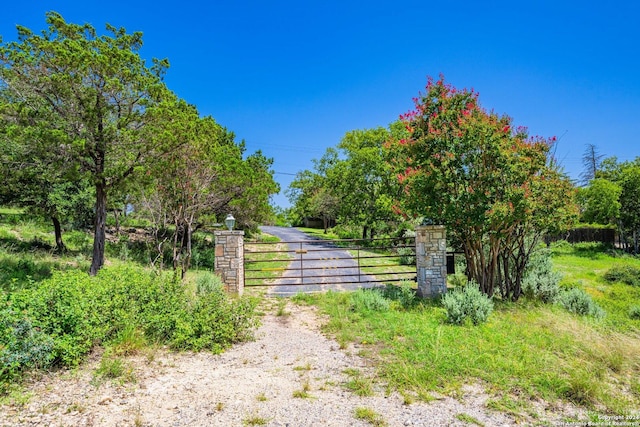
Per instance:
x=291, y=375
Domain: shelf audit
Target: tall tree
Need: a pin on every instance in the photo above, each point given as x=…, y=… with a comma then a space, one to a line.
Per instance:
x=325, y=204
x=364, y=180
x=591, y=160
x=491, y=185
x=352, y=182
x=91, y=93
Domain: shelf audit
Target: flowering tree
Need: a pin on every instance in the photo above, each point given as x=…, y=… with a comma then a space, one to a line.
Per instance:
x=494, y=187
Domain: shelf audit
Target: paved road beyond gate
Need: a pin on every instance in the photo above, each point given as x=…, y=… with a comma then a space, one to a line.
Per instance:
x=305, y=264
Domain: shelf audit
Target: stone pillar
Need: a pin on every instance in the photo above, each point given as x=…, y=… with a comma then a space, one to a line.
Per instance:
x=229, y=262
x=431, y=260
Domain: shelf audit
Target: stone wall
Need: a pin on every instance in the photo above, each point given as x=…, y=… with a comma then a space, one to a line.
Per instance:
x=431, y=260
x=229, y=262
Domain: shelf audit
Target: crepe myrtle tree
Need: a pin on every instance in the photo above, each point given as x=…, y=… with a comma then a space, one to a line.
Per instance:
x=495, y=188
x=94, y=96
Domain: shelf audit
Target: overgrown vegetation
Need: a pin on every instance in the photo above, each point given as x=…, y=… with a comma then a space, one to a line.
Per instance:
x=65, y=316
x=52, y=314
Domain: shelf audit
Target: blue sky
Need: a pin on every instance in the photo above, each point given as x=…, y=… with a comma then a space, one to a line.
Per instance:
x=292, y=77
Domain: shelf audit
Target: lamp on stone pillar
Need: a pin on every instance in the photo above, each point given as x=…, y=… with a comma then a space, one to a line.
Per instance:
x=230, y=221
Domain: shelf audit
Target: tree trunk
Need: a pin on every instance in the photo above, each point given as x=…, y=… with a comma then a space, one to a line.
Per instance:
x=58, y=233
x=100, y=220
x=364, y=231
x=99, y=234
x=116, y=214
x=186, y=244
x=178, y=238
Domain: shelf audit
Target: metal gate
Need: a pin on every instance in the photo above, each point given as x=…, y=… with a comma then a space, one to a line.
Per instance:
x=326, y=264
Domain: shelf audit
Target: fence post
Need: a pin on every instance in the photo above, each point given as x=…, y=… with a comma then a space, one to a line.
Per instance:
x=431, y=260
x=229, y=261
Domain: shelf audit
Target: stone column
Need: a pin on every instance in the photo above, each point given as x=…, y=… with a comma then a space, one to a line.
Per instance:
x=229, y=262
x=431, y=260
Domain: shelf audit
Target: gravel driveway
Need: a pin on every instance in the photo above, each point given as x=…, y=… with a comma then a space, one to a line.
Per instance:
x=291, y=375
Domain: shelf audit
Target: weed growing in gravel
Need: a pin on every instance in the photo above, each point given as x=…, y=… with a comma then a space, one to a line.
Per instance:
x=466, y=418
x=138, y=420
x=306, y=367
x=75, y=407
x=261, y=397
x=370, y=416
x=304, y=392
x=255, y=420
x=281, y=309
x=15, y=395
x=358, y=384
x=407, y=398
x=114, y=368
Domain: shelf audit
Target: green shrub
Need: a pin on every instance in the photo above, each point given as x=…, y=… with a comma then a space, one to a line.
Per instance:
x=215, y=322
x=457, y=280
x=404, y=294
x=207, y=283
x=65, y=308
x=22, y=345
x=369, y=300
x=540, y=281
x=624, y=273
x=579, y=302
x=467, y=303
x=634, y=312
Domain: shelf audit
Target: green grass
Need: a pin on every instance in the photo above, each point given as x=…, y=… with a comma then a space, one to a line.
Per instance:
x=319, y=233
x=26, y=252
x=114, y=368
x=465, y=418
x=378, y=263
x=585, y=265
x=525, y=351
